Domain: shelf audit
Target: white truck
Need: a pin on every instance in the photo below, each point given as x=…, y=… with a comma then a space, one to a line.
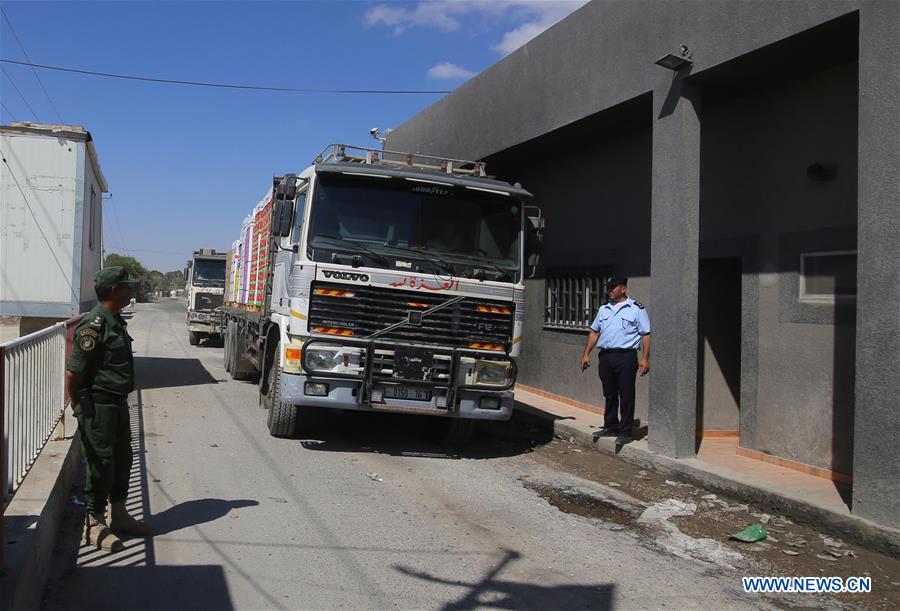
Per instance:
x=382, y=281
x=206, y=292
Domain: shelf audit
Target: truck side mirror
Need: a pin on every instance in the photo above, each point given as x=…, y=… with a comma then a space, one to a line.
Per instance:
x=534, y=233
x=288, y=185
x=283, y=218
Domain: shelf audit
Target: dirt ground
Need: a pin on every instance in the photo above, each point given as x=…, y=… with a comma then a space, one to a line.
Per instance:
x=791, y=549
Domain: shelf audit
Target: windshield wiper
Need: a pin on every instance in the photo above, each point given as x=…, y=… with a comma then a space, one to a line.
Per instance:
x=356, y=246
x=431, y=257
x=482, y=261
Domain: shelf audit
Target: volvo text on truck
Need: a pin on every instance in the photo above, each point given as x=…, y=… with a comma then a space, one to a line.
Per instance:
x=382, y=281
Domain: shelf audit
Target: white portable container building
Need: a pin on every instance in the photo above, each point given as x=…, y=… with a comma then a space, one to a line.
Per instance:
x=51, y=221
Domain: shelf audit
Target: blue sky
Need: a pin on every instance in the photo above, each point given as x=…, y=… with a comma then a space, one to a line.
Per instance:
x=186, y=164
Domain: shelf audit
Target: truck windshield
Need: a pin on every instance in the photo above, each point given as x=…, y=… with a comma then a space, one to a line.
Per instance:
x=208, y=272
x=404, y=218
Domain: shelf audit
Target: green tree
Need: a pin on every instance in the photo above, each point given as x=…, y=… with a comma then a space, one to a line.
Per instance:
x=135, y=270
x=175, y=280
x=158, y=281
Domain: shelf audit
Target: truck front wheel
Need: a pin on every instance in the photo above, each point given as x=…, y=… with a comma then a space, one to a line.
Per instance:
x=455, y=432
x=282, y=418
x=194, y=338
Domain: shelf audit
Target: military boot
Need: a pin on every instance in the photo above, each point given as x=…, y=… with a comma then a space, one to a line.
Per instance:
x=123, y=524
x=98, y=534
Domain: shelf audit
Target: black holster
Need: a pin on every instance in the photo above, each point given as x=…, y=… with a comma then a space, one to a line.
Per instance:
x=85, y=405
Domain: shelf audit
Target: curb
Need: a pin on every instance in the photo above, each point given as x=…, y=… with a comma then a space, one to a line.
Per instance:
x=858, y=530
x=32, y=523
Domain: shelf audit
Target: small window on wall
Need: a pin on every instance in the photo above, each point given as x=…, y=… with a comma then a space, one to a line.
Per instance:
x=92, y=223
x=573, y=298
x=828, y=276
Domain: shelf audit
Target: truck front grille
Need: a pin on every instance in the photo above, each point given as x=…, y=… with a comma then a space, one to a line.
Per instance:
x=473, y=323
x=207, y=301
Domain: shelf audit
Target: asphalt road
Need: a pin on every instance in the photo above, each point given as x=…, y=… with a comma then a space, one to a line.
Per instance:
x=367, y=514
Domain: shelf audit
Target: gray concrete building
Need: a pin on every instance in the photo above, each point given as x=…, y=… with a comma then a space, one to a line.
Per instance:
x=752, y=197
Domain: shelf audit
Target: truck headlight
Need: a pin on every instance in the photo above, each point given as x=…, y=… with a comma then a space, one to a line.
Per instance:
x=492, y=373
x=321, y=360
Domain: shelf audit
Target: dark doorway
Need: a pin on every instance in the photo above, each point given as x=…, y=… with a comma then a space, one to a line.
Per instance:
x=719, y=347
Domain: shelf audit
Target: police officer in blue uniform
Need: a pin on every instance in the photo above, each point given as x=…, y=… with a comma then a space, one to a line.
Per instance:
x=621, y=326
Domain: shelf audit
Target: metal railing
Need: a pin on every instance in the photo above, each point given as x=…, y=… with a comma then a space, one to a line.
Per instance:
x=33, y=399
x=361, y=154
x=573, y=297
x=32, y=402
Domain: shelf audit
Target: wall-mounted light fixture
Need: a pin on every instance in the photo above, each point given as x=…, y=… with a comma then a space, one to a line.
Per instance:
x=821, y=172
x=676, y=62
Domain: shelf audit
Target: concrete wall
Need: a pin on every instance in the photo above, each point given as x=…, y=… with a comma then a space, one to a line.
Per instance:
x=37, y=236
x=595, y=196
x=755, y=151
x=876, y=462
x=766, y=96
x=599, y=57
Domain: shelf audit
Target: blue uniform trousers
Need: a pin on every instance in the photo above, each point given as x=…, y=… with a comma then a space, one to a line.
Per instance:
x=618, y=371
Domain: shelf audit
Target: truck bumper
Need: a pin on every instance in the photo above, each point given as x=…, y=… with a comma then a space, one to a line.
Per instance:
x=204, y=327
x=343, y=394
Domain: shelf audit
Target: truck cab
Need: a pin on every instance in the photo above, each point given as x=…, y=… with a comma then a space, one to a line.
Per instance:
x=397, y=285
x=205, y=292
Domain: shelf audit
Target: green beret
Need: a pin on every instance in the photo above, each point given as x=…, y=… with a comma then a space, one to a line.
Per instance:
x=111, y=276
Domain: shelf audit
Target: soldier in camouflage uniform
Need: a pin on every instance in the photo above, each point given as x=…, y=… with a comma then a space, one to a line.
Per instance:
x=101, y=372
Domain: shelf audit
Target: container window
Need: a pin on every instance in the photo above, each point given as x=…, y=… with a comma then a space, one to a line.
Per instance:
x=92, y=222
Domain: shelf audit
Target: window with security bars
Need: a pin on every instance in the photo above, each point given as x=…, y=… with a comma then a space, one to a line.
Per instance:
x=573, y=298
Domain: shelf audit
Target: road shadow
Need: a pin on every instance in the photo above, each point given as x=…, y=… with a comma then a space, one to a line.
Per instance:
x=146, y=587
x=159, y=372
x=192, y=513
x=83, y=577
x=418, y=436
x=495, y=593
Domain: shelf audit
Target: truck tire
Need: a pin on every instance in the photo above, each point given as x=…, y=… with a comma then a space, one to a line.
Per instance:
x=455, y=432
x=194, y=338
x=282, y=418
x=241, y=368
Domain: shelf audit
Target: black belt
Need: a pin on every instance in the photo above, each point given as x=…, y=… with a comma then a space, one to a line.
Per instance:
x=100, y=396
x=602, y=350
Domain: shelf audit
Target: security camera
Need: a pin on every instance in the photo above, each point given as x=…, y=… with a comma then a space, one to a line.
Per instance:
x=373, y=132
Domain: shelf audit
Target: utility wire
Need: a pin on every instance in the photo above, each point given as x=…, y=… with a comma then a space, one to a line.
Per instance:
x=13, y=83
x=40, y=82
x=8, y=111
x=226, y=85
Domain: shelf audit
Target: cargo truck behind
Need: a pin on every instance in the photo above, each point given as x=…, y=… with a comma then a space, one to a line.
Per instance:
x=206, y=291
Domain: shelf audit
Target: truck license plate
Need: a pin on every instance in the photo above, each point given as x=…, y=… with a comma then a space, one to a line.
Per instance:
x=411, y=393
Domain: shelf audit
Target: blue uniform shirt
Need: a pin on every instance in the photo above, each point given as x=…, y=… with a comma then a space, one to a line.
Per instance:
x=621, y=325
